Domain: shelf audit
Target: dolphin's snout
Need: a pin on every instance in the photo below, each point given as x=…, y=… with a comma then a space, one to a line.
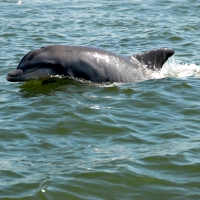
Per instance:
x=14, y=74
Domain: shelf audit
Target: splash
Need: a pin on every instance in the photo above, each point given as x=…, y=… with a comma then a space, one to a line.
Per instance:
x=176, y=68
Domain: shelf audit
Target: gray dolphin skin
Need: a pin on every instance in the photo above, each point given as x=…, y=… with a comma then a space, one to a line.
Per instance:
x=87, y=63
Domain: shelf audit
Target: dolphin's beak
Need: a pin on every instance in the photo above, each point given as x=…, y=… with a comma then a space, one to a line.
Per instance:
x=29, y=74
x=14, y=75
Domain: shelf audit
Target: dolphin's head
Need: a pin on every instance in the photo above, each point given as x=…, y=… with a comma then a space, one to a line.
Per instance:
x=37, y=64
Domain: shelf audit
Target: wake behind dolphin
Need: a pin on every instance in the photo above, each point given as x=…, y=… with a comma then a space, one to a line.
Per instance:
x=93, y=64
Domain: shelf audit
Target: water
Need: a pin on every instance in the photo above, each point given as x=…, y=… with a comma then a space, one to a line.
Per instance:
x=67, y=139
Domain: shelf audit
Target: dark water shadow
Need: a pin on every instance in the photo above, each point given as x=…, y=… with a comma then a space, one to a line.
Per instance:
x=47, y=86
x=50, y=86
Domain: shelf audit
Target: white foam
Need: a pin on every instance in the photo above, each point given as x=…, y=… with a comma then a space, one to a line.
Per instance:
x=19, y=2
x=176, y=68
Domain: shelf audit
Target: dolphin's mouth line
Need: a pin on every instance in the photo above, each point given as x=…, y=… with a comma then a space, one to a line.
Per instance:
x=23, y=73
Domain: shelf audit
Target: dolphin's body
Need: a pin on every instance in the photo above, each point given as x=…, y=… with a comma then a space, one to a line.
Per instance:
x=88, y=63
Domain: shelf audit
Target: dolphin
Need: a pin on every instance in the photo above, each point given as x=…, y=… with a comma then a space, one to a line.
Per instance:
x=88, y=63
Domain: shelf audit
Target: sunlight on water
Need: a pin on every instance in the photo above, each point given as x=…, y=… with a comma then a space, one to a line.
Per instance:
x=19, y=2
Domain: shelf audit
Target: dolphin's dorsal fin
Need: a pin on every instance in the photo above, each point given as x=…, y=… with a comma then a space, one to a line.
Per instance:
x=154, y=59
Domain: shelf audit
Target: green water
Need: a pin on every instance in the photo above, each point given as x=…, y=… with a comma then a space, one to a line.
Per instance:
x=69, y=139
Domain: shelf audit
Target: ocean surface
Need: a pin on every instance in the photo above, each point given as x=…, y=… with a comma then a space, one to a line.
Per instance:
x=70, y=139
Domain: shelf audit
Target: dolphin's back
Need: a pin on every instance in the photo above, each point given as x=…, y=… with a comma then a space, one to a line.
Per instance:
x=99, y=65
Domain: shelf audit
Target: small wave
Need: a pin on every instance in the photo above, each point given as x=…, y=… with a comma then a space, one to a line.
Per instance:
x=176, y=68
